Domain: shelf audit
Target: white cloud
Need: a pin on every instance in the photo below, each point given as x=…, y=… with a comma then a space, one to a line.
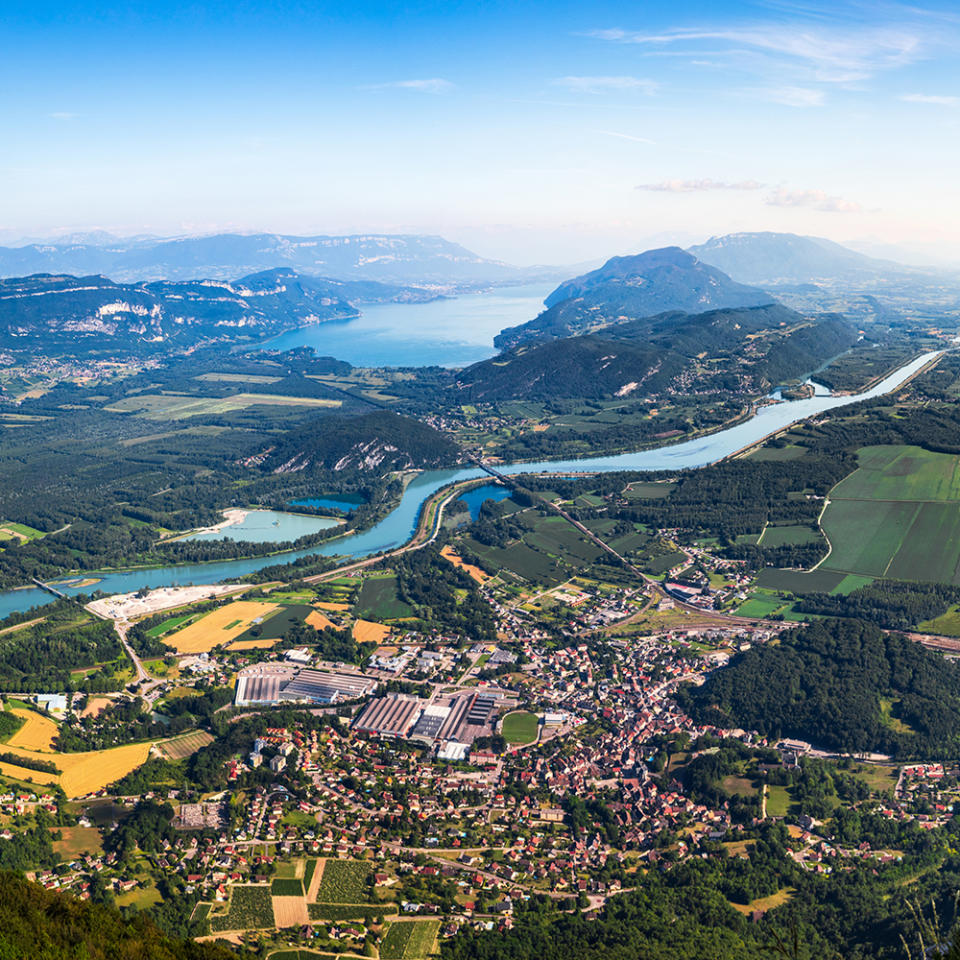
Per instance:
x=935, y=99
x=792, y=96
x=627, y=136
x=814, y=199
x=841, y=55
x=697, y=186
x=607, y=84
x=428, y=85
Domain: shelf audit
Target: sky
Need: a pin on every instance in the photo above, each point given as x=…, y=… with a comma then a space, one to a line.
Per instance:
x=531, y=132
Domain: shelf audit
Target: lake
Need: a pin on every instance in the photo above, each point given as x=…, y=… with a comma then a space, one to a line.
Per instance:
x=396, y=528
x=452, y=332
x=267, y=526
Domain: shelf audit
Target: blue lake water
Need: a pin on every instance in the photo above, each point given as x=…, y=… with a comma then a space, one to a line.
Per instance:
x=446, y=333
x=268, y=526
x=478, y=496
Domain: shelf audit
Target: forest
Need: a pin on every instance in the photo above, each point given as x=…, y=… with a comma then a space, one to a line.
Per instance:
x=840, y=684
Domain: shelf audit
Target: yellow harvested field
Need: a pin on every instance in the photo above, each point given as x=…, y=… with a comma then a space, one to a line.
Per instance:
x=319, y=622
x=481, y=576
x=366, y=631
x=82, y=773
x=290, y=911
x=334, y=607
x=37, y=732
x=25, y=773
x=220, y=626
x=250, y=644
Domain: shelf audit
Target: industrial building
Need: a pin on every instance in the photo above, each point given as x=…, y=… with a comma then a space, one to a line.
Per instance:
x=269, y=684
x=390, y=716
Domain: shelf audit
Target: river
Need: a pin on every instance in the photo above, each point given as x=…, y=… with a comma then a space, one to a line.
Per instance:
x=398, y=526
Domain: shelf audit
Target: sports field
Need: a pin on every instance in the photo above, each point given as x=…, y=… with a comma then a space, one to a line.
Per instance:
x=897, y=516
x=520, y=727
x=222, y=625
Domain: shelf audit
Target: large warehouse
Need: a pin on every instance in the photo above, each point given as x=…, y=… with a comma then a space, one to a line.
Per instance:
x=266, y=685
x=390, y=716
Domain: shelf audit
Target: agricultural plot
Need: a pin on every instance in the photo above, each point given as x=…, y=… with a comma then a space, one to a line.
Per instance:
x=182, y=747
x=290, y=911
x=526, y=563
x=409, y=939
x=181, y=406
x=286, y=887
x=336, y=912
x=788, y=536
x=75, y=841
x=378, y=600
x=646, y=490
x=480, y=576
x=799, y=581
x=366, y=631
x=344, y=881
x=220, y=626
x=520, y=727
x=897, y=516
x=37, y=733
x=277, y=625
x=250, y=908
x=174, y=623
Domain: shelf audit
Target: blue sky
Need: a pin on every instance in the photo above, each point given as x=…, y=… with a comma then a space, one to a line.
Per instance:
x=536, y=132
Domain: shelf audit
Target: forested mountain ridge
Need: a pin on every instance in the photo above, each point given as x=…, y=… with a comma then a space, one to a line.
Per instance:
x=92, y=312
x=629, y=288
x=739, y=350
x=400, y=258
x=378, y=441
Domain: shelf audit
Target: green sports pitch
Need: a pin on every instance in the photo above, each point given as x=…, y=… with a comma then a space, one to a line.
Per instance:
x=897, y=516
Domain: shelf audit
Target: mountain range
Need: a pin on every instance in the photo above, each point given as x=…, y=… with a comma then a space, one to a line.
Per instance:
x=776, y=257
x=81, y=314
x=739, y=350
x=402, y=258
x=629, y=288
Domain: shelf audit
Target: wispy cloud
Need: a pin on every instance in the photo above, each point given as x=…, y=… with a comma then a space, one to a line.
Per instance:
x=791, y=96
x=427, y=85
x=840, y=55
x=607, y=84
x=627, y=136
x=63, y=115
x=939, y=100
x=698, y=186
x=814, y=199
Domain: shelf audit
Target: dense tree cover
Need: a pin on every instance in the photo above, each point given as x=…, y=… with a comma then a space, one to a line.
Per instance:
x=145, y=829
x=889, y=603
x=443, y=595
x=841, y=684
x=40, y=657
x=40, y=923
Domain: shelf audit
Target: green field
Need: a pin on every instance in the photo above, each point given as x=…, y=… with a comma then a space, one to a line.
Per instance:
x=643, y=490
x=520, y=727
x=760, y=607
x=250, y=908
x=170, y=406
x=799, y=581
x=789, y=535
x=897, y=516
x=174, y=623
x=286, y=887
x=344, y=881
x=409, y=940
x=777, y=454
x=947, y=624
x=278, y=624
x=378, y=600
x=778, y=800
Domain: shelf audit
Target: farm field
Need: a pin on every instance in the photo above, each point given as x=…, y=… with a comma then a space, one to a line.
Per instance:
x=789, y=535
x=947, y=624
x=378, y=600
x=648, y=490
x=250, y=908
x=182, y=406
x=276, y=624
x=520, y=727
x=365, y=631
x=799, y=581
x=344, y=881
x=76, y=841
x=37, y=733
x=290, y=911
x=182, y=747
x=81, y=773
x=897, y=516
x=409, y=939
x=473, y=570
x=220, y=626
x=319, y=621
